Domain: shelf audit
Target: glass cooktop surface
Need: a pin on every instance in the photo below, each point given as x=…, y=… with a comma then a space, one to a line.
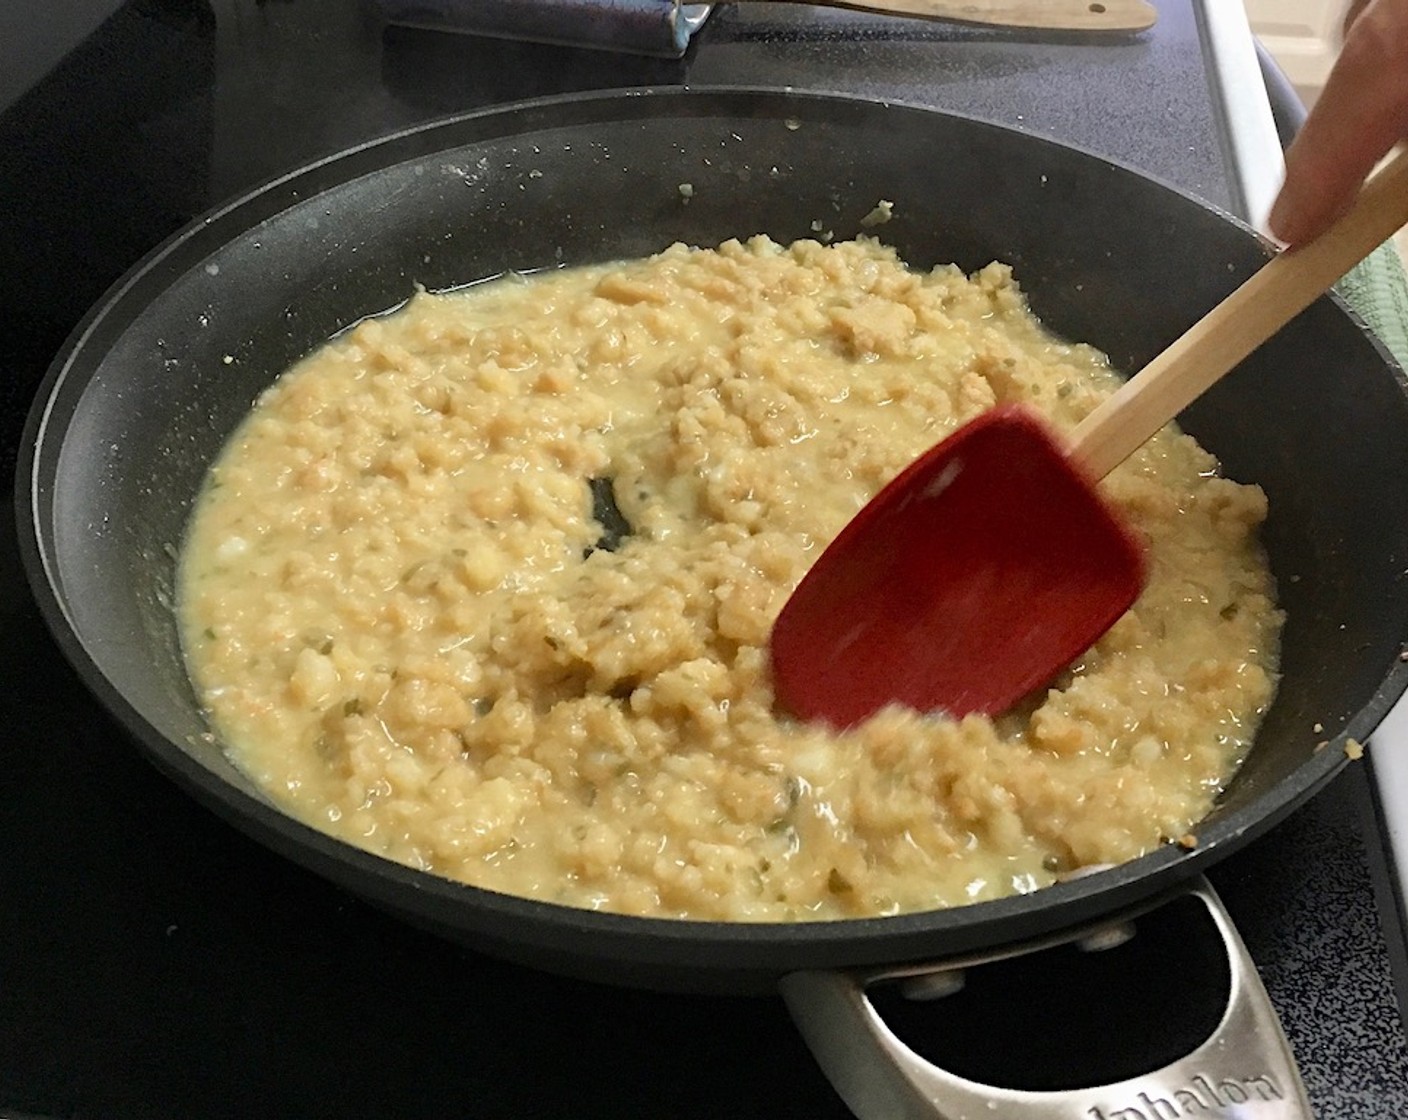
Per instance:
x=156, y=963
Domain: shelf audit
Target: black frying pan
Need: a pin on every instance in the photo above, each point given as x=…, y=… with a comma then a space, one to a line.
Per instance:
x=155, y=378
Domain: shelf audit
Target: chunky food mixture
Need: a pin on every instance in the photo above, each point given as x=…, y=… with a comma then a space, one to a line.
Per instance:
x=419, y=623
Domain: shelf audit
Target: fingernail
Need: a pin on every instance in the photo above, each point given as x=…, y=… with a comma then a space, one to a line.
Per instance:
x=1281, y=222
x=1276, y=218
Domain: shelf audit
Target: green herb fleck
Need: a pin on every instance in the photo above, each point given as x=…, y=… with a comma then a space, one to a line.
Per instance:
x=837, y=883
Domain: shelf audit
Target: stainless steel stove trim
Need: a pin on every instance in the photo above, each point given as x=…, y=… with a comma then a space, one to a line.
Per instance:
x=1255, y=155
x=1388, y=748
x=1239, y=88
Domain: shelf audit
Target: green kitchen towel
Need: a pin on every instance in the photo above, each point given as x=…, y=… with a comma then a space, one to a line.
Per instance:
x=1377, y=288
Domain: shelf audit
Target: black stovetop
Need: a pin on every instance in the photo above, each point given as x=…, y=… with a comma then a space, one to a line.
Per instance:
x=154, y=962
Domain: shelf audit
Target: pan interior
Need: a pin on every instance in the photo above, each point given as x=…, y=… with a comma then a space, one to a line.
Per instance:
x=146, y=395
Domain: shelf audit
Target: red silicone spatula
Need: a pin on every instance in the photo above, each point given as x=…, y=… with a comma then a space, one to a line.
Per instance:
x=992, y=561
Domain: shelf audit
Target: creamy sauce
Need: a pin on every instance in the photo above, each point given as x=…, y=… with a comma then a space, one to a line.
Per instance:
x=397, y=614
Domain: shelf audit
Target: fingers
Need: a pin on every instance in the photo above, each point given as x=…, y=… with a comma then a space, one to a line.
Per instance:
x=1360, y=115
x=1352, y=13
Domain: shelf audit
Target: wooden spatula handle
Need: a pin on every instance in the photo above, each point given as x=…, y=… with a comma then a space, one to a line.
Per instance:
x=1279, y=291
x=1053, y=15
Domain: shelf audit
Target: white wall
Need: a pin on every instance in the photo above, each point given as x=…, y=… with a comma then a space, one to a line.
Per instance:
x=1302, y=35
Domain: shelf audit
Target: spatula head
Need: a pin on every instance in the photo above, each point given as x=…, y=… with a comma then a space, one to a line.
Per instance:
x=985, y=568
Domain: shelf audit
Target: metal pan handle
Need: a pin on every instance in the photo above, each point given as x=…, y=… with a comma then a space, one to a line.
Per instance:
x=1243, y=1071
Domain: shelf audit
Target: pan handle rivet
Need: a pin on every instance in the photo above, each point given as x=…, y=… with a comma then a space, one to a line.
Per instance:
x=933, y=985
x=1110, y=937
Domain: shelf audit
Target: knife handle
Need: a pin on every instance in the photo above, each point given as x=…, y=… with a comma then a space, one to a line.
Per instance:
x=1053, y=15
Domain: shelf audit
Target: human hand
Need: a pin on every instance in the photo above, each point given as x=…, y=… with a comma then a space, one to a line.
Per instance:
x=1361, y=113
